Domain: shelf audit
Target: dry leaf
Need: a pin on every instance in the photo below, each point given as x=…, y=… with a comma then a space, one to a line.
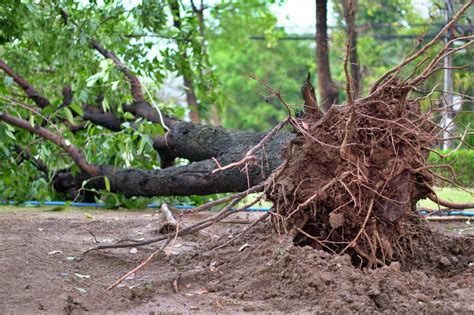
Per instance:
x=89, y=216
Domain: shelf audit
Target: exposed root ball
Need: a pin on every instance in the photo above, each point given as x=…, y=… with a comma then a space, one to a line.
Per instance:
x=353, y=177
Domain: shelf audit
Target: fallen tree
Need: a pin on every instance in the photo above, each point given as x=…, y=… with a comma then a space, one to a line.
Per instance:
x=351, y=176
x=205, y=146
x=346, y=180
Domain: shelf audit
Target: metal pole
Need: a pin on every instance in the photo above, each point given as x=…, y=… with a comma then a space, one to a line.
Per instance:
x=448, y=87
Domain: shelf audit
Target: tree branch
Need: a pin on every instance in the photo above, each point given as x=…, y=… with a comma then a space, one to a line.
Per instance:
x=185, y=70
x=449, y=204
x=136, y=87
x=433, y=41
x=310, y=100
x=30, y=91
x=74, y=152
x=353, y=79
x=105, y=119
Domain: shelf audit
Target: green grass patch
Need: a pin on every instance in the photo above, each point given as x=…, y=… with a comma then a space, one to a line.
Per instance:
x=21, y=208
x=450, y=194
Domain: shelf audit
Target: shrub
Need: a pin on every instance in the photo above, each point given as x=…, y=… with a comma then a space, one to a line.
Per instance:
x=462, y=161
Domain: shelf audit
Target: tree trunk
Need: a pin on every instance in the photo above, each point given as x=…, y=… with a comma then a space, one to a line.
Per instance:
x=199, y=144
x=349, y=17
x=185, y=70
x=214, y=117
x=327, y=88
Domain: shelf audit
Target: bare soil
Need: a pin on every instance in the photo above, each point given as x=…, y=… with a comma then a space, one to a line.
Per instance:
x=42, y=271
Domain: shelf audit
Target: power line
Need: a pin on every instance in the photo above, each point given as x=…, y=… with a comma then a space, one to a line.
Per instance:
x=462, y=29
x=376, y=36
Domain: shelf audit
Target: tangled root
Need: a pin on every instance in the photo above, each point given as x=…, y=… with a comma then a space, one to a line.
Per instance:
x=353, y=176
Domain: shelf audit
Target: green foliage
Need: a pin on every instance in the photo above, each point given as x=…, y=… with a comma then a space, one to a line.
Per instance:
x=461, y=161
x=10, y=28
x=51, y=50
x=247, y=104
x=388, y=18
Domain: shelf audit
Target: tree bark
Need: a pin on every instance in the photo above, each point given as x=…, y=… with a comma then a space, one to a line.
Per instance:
x=327, y=88
x=97, y=116
x=349, y=7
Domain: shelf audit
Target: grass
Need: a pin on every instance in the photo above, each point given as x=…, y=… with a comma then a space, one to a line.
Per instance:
x=4, y=208
x=450, y=194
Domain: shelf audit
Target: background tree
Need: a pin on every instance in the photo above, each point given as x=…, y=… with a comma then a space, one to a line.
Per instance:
x=327, y=88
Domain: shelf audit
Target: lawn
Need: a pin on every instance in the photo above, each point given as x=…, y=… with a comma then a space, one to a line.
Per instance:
x=451, y=194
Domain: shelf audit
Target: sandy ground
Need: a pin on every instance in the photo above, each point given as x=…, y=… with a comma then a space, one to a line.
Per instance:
x=42, y=271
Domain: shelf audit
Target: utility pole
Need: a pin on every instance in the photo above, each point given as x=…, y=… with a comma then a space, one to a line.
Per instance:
x=448, y=87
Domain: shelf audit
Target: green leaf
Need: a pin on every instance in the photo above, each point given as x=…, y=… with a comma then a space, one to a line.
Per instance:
x=157, y=130
x=93, y=79
x=60, y=208
x=69, y=115
x=8, y=81
x=105, y=105
x=9, y=133
x=114, y=85
x=105, y=64
x=84, y=96
x=76, y=108
x=141, y=146
x=128, y=116
x=107, y=183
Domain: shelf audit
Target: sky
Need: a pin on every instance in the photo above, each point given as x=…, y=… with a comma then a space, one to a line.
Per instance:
x=298, y=16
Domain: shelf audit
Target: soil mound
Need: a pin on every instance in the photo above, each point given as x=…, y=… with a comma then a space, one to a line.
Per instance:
x=265, y=267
